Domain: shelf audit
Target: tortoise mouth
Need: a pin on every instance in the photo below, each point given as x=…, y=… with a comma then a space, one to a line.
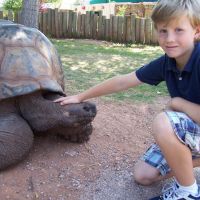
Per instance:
x=83, y=112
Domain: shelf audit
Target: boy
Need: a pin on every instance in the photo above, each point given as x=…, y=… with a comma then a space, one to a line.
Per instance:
x=177, y=130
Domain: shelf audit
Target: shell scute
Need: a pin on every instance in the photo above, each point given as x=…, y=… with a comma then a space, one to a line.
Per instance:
x=28, y=62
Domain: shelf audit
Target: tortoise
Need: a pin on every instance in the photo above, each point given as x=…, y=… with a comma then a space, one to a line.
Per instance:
x=31, y=78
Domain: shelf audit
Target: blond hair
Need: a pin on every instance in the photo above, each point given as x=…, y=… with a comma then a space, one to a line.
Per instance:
x=166, y=10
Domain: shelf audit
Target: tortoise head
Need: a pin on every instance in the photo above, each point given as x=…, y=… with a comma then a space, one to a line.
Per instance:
x=43, y=114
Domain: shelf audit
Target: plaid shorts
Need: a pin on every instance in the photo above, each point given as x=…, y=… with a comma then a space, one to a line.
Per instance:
x=187, y=131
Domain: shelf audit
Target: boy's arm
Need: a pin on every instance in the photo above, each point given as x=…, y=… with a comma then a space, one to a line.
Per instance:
x=189, y=108
x=109, y=86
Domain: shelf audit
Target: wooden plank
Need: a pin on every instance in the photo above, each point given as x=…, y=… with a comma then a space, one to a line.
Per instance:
x=44, y=23
x=133, y=28
x=103, y=28
x=57, y=21
x=74, y=24
x=99, y=27
x=137, y=30
x=87, y=24
x=49, y=19
x=64, y=24
x=78, y=25
x=120, y=29
x=83, y=25
x=53, y=22
x=61, y=16
x=148, y=30
x=107, y=35
x=142, y=34
x=128, y=30
x=91, y=24
x=70, y=22
x=94, y=29
x=124, y=29
x=111, y=27
x=40, y=22
x=115, y=24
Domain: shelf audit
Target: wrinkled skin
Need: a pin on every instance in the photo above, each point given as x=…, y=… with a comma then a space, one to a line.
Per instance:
x=23, y=116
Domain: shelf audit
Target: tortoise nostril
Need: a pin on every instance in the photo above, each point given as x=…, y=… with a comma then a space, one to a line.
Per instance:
x=86, y=108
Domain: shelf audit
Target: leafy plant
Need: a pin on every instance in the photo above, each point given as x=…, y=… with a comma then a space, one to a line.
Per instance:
x=14, y=5
x=121, y=10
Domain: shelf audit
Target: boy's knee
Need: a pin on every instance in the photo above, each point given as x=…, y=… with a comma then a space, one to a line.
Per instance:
x=161, y=125
x=145, y=174
x=142, y=179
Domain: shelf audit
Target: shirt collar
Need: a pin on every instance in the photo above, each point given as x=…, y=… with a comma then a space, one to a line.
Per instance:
x=189, y=65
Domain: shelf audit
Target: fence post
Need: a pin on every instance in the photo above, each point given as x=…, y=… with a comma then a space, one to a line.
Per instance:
x=142, y=33
x=128, y=30
x=133, y=29
x=87, y=24
x=137, y=30
x=74, y=24
x=115, y=28
x=79, y=25
x=107, y=35
x=49, y=26
x=120, y=29
x=83, y=25
x=64, y=24
x=148, y=31
x=111, y=27
x=44, y=23
x=70, y=19
x=69, y=24
x=94, y=26
x=40, y=16
x=99, y=27
x=61, y=23
x=53, y=22
x=57, y=22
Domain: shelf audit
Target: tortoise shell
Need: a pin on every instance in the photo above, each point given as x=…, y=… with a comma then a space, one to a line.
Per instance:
x=28, y=62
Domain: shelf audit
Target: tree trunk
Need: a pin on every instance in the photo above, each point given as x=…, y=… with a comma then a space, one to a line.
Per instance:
x=29, y=15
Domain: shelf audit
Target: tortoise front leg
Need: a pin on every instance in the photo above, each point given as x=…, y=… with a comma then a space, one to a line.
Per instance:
x=16, y=139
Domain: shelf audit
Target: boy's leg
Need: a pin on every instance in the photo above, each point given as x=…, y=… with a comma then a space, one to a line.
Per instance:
x=146, y=174
x=153, y=166
x=176, y=153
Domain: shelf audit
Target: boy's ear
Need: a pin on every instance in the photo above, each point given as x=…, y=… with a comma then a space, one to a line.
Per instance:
x=197, y=35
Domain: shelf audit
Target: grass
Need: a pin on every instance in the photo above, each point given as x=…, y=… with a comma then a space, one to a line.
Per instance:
x=87, y=63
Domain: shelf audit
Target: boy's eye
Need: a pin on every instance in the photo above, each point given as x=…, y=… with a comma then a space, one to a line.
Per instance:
x=162, y=31
x=179, y=30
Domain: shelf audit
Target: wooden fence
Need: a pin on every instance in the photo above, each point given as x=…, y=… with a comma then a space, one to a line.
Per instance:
x=120, y=29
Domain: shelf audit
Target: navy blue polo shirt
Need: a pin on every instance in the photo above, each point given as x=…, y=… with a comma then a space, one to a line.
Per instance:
x=185, y=84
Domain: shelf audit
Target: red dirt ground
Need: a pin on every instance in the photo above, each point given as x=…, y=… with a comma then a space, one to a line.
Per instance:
x=57, y=170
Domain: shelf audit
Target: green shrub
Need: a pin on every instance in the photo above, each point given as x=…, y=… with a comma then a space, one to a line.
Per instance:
x=13, y=5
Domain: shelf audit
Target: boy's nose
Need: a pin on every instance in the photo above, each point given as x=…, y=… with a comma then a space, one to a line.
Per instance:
x=170, y=37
